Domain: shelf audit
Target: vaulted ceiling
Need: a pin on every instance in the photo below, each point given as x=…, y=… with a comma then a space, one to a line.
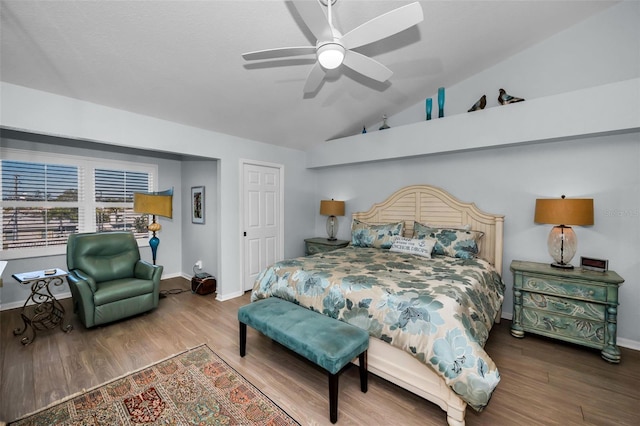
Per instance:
x=181, y=60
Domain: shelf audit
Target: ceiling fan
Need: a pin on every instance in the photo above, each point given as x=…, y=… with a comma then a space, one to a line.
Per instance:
x=333, y=49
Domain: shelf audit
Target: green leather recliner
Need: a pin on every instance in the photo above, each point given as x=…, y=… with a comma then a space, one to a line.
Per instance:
x=107, y=278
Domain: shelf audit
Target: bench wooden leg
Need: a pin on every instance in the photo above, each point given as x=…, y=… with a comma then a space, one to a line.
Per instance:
x=333, y=397
x=364, y=376
x=243, y=339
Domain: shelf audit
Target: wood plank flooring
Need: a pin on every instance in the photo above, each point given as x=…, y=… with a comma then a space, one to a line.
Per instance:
x=544, y=382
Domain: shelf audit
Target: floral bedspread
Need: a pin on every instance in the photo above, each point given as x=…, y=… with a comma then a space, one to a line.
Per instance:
x=440, y=310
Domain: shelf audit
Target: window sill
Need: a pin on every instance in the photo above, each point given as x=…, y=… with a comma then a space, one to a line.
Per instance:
x=29, y=253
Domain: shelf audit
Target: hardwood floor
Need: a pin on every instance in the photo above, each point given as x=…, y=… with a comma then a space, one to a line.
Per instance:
x=544, y=382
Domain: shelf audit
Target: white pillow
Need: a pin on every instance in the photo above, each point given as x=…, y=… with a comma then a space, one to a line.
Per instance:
x=421, y=247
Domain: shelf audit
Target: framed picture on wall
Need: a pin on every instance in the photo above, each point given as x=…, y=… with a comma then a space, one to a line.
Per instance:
x=197, y=204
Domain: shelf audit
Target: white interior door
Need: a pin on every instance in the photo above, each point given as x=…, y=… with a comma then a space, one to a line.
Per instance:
x=262, y=235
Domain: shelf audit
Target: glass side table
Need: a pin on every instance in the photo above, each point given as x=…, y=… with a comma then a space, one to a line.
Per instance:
x=41, y=310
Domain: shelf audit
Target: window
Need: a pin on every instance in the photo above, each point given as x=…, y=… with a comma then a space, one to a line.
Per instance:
x=114, y=201
x=40, y=204
x=46, y=197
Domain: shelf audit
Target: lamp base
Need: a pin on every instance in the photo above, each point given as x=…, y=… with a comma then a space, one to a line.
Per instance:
x=332, y=227
x=562, y=265
x=153, y=243
x=562, y=244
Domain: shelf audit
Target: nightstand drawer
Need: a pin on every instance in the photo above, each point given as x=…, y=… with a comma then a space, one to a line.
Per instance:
x=582, y=331
x=565, y=288
x=322, y=245
x=571, y=307
x=317, y=248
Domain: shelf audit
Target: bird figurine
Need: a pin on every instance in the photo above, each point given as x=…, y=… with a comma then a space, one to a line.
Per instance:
x=504, y=98
x=482, y=102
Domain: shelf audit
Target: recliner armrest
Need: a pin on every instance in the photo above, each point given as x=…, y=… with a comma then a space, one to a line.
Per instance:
x=77, y=275
x=82, y=287
x=146, y=271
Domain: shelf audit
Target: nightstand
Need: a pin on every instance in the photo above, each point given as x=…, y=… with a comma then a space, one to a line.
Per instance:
x=573, y=305
x=322, y=245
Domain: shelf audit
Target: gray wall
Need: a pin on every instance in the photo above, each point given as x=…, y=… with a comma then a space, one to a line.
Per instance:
x=504, y=180
x=14, y=295
x=199, y=240
x=600, y=50
x=508, y=181
x=39, y=112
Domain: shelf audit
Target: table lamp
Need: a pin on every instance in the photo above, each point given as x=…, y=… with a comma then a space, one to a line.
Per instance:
x=332, y=208
x=155, y=204
x=562, y=212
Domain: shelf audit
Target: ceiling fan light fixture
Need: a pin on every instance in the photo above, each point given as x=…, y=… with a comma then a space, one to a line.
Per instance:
x=330, y=55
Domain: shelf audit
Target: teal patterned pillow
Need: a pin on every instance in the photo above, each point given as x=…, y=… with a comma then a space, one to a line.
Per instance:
x=421, y=230
x=378, y=236
x=455, y=242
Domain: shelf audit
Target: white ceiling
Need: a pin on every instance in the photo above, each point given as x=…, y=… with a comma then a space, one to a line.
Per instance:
x=180, y=60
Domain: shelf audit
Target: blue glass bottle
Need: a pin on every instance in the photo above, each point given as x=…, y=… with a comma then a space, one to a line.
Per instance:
x=429, y=104
x=441, y=102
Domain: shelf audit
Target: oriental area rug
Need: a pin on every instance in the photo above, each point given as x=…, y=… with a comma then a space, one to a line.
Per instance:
x=195, y=387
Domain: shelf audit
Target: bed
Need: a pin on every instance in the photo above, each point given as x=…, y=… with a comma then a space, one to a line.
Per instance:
x=408, y=349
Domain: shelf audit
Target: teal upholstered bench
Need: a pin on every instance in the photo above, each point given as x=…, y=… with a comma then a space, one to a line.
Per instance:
x=325, y=341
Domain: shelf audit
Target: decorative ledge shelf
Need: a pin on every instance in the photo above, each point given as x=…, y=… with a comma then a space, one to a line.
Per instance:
x=601, y=110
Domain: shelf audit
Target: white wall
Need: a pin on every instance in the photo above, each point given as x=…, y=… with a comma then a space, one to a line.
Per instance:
x=199, y=240
x=14, y=295
x=503, y=180
x=602, y=49
x=44, y=113
x=507, y=180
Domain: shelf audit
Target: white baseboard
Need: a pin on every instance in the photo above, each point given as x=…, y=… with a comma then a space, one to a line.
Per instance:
x=67, y=294
x=625, y=343
x=229, y=296
x=629, y=344
x=18, y=304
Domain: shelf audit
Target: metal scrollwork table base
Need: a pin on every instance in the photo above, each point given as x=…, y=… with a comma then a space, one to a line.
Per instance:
x=41, y=310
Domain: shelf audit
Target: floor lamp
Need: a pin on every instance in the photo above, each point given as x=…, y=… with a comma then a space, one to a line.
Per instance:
x=155, y=204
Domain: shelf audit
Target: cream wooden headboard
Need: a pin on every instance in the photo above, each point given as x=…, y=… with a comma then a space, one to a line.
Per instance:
x=431, y=205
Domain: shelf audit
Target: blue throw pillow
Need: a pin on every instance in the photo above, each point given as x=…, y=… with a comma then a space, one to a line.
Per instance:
x=378, y=236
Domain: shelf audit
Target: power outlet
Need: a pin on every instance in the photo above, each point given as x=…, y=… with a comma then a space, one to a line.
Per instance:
x=198, y=264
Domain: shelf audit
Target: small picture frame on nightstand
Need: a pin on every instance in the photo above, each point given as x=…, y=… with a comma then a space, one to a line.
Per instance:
x=592, y=264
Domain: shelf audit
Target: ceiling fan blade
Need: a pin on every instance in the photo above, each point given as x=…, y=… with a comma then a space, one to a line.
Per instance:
x=367, y=66
x=315, y=77
x=384, y=26
x=313, y=15
x=280, y=52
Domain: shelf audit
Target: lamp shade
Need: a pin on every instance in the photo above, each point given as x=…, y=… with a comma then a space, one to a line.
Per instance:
x=332, y=208
x=155, y=203
x=564, y=211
